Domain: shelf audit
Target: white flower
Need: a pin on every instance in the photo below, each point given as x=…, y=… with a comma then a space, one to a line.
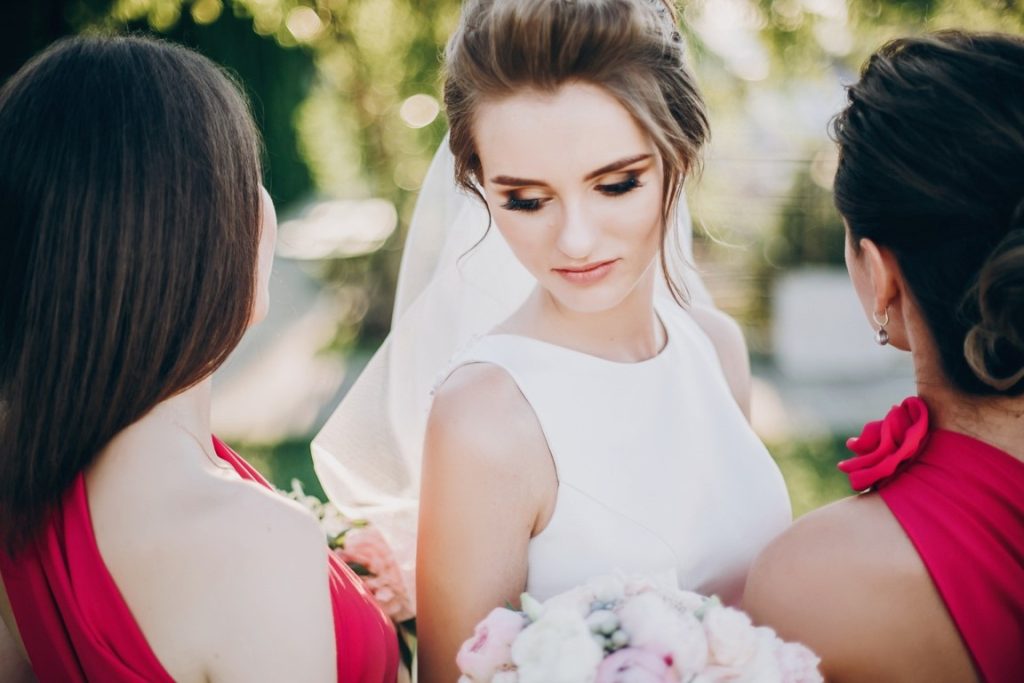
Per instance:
x=333, y=522
x=558, y=648
x=607, y=588
x=653, y=625
x=731, y=636
x=577, y=600
x=798, y=663
x=763, y=665
x=505, y=677
x=683, y=601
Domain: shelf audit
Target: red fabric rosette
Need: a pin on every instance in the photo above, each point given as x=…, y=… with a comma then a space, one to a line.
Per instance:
x=886, y=444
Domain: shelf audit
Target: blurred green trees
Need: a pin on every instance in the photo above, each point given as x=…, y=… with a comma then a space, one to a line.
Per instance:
x=347, y=92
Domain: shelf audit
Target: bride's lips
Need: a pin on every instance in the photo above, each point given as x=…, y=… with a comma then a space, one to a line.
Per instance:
x=587, y=274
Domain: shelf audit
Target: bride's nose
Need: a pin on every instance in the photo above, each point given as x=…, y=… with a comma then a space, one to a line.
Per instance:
x=577, y=233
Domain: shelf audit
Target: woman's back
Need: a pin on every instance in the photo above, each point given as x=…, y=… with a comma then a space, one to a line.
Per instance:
x=208, y=566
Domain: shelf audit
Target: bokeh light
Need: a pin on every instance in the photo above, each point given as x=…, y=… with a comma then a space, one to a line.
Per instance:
x=419, y=111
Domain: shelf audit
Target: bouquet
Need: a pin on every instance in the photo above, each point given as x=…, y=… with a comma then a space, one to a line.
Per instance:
x=613, y=630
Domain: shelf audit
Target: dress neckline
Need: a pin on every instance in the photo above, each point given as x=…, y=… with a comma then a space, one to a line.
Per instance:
x=656, y=358
x=979, y=444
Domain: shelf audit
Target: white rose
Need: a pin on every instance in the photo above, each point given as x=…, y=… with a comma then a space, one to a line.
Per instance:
x=683, y=601
x=731, y=636
x=653, y=625
x=798, y=664
x=557, y=648
x=763, y=665
x=576, y=600
x=608, y=588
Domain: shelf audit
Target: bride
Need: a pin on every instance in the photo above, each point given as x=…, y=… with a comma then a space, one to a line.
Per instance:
x=558, y=399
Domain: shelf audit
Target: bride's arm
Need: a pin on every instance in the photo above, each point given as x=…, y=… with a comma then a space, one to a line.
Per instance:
x=487, y=484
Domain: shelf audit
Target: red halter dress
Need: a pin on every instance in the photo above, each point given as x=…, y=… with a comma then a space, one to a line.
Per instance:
x=77, y=627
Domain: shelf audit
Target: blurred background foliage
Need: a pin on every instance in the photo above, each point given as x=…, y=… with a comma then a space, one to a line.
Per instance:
x=347, y=95
x=347, y=91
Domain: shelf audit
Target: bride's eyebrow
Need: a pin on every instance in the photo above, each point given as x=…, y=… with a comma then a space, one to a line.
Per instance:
x=616, y=165
x=511, y=181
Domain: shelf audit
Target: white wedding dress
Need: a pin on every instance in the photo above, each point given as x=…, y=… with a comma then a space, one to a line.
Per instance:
x=659, y=473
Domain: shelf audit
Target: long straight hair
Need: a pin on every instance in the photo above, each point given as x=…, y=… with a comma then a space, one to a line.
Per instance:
x=130, y=205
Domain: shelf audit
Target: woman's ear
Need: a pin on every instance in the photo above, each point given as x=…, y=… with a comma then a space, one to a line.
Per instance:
x=887, y=292
x=882, y=272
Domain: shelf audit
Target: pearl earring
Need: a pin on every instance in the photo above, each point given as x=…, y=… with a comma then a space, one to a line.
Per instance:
x=881, y=336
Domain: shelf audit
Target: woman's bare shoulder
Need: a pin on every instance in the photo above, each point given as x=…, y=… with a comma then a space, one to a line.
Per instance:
x=846, y=581
x=241, y=566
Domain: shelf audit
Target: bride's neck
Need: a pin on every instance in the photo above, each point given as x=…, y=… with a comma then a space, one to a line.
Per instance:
x=628, y=332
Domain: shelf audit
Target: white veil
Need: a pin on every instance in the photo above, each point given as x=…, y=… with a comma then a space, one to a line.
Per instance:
x=453, y=287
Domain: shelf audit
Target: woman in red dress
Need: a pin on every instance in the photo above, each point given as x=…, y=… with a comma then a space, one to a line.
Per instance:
x=137, y=250
x=921, y=578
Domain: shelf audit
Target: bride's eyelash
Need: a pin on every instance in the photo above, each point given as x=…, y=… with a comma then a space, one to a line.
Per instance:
x=631, y=183
x=516, y=204
x=628, y=185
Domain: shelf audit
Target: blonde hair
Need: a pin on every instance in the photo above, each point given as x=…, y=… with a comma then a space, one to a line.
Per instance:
x=630, y=48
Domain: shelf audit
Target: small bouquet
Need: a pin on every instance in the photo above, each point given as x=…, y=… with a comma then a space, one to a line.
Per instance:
x=612, y=630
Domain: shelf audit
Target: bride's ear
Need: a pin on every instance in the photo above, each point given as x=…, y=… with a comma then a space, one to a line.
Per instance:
x=887, y=290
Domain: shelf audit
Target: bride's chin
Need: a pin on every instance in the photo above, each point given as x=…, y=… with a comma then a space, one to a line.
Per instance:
x=587, y=302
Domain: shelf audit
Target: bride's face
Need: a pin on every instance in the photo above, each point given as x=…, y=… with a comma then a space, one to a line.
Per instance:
x=575, y=186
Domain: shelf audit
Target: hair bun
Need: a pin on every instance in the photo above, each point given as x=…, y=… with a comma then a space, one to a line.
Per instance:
x=994, y=347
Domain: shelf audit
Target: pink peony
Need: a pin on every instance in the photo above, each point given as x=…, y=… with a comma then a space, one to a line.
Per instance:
x=633, y=665
x=490, y=649
x=366, y=546
x=798, y=664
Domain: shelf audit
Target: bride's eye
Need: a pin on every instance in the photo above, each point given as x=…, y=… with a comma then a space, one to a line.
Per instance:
x=514, y=203
x=631, y=182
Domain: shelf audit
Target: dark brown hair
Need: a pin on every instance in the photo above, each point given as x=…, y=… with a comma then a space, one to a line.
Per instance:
x=130, y=201
x=630, y=48
x=931, y=166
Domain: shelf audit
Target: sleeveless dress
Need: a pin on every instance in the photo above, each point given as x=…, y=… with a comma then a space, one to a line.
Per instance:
x=659, y=473
x=77, y=627
x=961, y=503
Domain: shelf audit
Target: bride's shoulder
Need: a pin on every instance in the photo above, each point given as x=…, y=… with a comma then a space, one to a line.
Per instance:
x=480, y=415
